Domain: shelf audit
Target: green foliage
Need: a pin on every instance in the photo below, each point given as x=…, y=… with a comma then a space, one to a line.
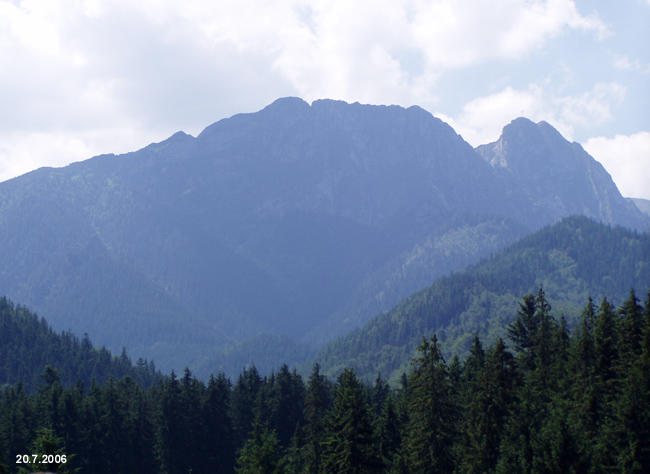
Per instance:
x=574, y=403
x=28, y=345
x=349, y=445
x=260, y=454
x=572, y=259
x=432, y=412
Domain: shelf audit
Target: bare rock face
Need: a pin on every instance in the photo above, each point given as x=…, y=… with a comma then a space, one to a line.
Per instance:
x=558, y=177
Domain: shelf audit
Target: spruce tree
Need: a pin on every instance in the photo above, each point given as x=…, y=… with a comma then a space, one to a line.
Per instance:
x=287, y=395
x=631, y=329
x=432, y=412
x=317, y=403
x=486, y=412
x=261, y=453
x=244, y=402
x=350, y=445
x=389, y=435
x=523, y=330
x=218, y=443
x=585, y=391
x=632, y=413
x=607, y=347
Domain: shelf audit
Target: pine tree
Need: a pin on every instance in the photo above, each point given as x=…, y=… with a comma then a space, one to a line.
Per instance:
x=287, y=404
x=388, y=435
x=631, y=329
x=349, y=445
x=523, y=330
x=606, y=344
x=171, y=428
x=261, y=453
x=632, y=412
x=432, y=412
x=317, y=403
x=218, y=443
x=487, y=411
x=244, y=401
x=585, y=391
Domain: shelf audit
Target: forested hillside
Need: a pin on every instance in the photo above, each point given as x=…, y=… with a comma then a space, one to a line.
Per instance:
x=558, y=401
x=572, y=259
x=28, y=346
x=296, y=223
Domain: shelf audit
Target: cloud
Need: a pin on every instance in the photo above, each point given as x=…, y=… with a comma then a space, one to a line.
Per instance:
x=21, y=152
x=626, y=64
x=456, y=34
x=481, y=119
x=627, y=159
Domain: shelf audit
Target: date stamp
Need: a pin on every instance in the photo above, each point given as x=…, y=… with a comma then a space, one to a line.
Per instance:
x=41, y=459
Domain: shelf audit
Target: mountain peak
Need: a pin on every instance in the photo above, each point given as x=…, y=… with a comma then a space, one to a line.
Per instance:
x=287, y=103
x=525, y=129
x=557, y=175
x=520, y=122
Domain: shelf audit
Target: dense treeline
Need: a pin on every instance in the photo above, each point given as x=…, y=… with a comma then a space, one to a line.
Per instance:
x=557, y=402
x=572, y=259
x=28, y=344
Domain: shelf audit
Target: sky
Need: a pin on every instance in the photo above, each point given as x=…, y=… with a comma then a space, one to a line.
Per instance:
x=85, y=77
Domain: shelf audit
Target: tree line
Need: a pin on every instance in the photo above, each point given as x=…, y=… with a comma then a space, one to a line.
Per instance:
x=546, y=399
x=27, y=344
x=575, y=257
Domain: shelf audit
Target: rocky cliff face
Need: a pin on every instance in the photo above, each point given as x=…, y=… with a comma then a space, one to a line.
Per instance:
x=558, y=177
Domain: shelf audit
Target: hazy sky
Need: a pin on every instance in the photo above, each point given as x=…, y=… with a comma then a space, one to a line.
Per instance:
x=79, y=78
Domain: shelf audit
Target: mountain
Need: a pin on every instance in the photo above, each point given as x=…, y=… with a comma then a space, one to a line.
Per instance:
x=279, y=228
x=558, y=177
x=571, y=260
x=642, y=204
x=28, y=346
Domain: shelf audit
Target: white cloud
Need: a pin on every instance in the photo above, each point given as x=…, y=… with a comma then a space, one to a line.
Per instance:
x=626, y=64
x=482, y=119
x=591, y=107
x=22, y=152
x=627, y=159
x=455, y=34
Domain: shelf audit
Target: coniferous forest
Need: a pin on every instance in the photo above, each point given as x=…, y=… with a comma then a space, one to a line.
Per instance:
x=545, y=399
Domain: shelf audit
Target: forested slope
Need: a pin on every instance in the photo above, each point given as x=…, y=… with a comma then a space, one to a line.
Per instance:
x=28, y=346
x=298, y=222
x=557, y=402
x=572, y=259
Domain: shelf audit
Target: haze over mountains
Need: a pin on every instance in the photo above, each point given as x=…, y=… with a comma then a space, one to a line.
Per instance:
x=291, y=225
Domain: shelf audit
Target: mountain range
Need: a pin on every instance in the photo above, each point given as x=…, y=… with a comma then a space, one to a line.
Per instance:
x=273, y=232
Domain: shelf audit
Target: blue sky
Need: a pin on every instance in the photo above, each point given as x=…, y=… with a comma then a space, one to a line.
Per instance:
x=79, y=78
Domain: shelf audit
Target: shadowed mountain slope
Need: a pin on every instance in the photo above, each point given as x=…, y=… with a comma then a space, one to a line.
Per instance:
x=294, y=223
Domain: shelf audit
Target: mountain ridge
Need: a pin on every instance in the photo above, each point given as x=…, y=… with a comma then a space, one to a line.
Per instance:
x=298, y=220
